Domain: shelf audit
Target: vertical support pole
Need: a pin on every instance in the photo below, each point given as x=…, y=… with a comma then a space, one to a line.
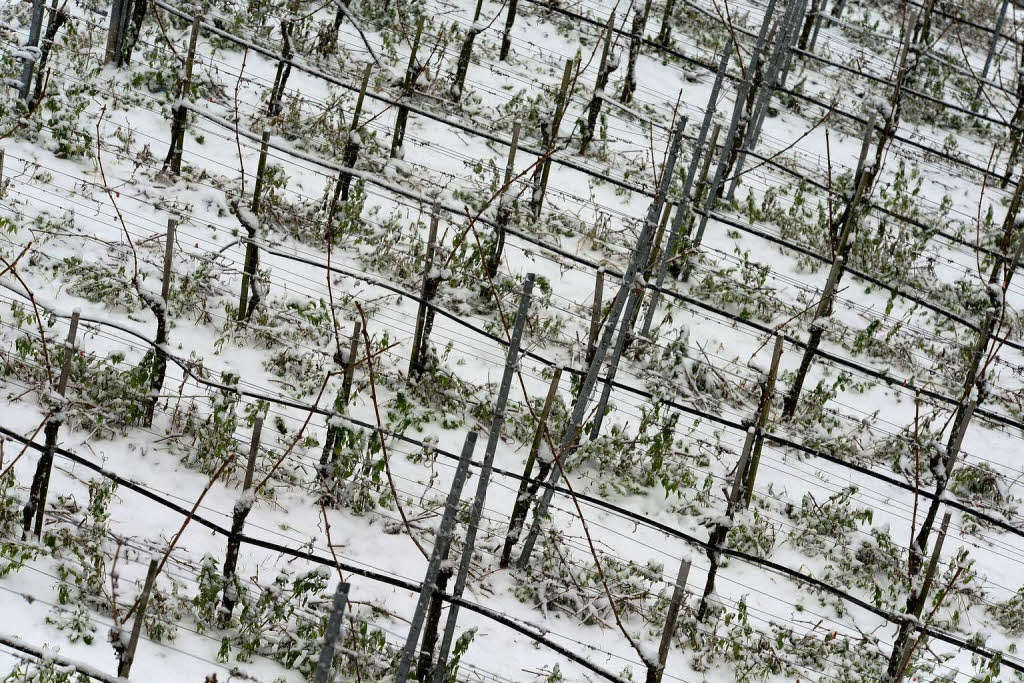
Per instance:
x=331, y=450
x=812, y=16
x=992, y=49
x=466, y=53
x=506, y=36
x=635, y=292
x=1, y=171
x=354, y=141
x=241, y=510
x=603, y=72
x=595, y=313
x=504, y=212
x=252, y=253
x=440, y=550
x=325, y=664
x=350, y=362
x=159, y=367
x=570, y=434
x=398, y=138
x=763, y=408
x=666, y=23
x=540, y=176
x=515, y=521
x=127, y=658
x=117, y=9
x=654, y=673
x=635, y=44
x=165, y=284
x=427, y=291
x=35, y=28
x=35, y=508
x=476, y=512
x=180, y=120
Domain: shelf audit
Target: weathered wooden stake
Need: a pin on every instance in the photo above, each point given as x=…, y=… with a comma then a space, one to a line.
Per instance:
x=118, y=10
x=466, y=53
x=595, y=313
x=180, y=121
x=35, y=508
x=763, y=408
x=476, y=512
x=411, y=73
x=654, y=673
x=127, y=657
x=440, y=550
x=636, y=39
x=992, y=49
x=325, y=664
x=604, y=70
x=159, y=369
x=522, y=504
x=666, y=23
x=331, y=450
x=505, y=205
x=506, y=36
x=550, y=136
x=431, y=280
x=241, y=510
x=354, y=141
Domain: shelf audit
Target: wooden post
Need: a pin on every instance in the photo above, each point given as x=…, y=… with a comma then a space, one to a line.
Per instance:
x=159, y=369
x=250, y=266
x=165, y=284
x=466, y=53
x=666, y=23
x=35, y=508
x=595, y=313
x=763, y=408
x=1, y=171
x=428, y=645
x=241, y=510
x=428, y=289
x=504, y=212
x=604, y=70
x=331, y=450
x=35, y=28
x=721, y=530
x=654, y=673
x=519, y=508
x=540, y=176
x=354, y=141
x=326, y=662
x=992, y=49
x=635, y=44
x=411, y=72
x=127, y=657
x=812, y=15
x=440, y=550
x=180, y=121
x=117, y=9
x=476, y=512
x=506, y=36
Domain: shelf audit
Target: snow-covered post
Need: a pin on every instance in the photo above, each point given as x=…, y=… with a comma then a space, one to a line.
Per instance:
x=636, y=39
x=126, y=656
x=36, y=505
x=549, y=133
x=431, y=280
x=504, y=212
x=916, y=599
x=325, y=664
x=721, y=528
x=506, y=36
x=634, y=280
x=476, y=512
x=522, y=504
x=682, y=209
x=411, y=73
x=160, y=310
x=251, y=224
x=466, y=53
x=666, y=23
x=992, y=49
x=180, y=121
x=595, y=313
x=326, y=469
x=437, y=555
x=241, y=510
x=847, y=222
x=621, y=309
x=354, y=141
x=767, y=384
x=604, y=70
x=654, y=673
x=32, y=46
